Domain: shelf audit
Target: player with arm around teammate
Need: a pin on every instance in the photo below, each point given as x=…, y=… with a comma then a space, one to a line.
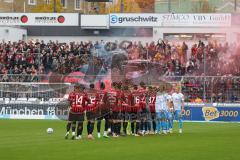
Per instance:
x=77, y=100
x=170, y=114
x=144, y=110
x=103, y=111
x=161, y=110
x=178, y=104
x=127, y=105
x=135, y=115
x=91, y=109
x=152, y=100
x=112, y=99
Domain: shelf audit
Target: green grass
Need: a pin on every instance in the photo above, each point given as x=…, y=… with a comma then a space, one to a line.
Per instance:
x=27, y=139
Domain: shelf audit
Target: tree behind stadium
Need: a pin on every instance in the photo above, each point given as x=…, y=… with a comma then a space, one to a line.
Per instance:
x=47, y=8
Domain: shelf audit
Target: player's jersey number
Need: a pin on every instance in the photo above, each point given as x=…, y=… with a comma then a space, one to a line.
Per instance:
x=79, y=100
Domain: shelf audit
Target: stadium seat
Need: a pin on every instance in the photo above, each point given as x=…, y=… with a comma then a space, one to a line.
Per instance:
x=32, y=99
x=21, y=99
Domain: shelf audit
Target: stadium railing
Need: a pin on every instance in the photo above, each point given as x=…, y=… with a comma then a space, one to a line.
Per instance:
x=56, y=87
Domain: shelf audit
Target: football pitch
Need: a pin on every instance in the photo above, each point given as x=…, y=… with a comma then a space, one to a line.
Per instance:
x=28, y=140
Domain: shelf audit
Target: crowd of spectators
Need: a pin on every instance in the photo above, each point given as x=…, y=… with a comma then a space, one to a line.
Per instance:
x=217, y=89
x=181, y=59
x=25, y=61
x=39, y=58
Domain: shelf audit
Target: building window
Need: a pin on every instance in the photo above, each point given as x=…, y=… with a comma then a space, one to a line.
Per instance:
x=47, y=1
x=32, y=2
x=77, y=4
x=8, y=1
x=64, y=3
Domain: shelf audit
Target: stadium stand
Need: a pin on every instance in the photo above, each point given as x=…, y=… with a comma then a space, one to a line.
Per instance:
x=210, y=63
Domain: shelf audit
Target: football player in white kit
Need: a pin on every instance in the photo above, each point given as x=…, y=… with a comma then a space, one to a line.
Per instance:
x=161, y=110
x=170, y=115
x=178, y=104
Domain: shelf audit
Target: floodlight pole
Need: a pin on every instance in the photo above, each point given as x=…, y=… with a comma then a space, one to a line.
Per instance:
x=54, y=6
x=122, y=6
x=204, y=81
x=13, y=6
x=169, y=6
x=235, y=5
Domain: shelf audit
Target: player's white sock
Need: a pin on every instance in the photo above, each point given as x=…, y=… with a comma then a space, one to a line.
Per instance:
x=66, y=135
x=180, y=130
x=115, y=135
x=99, y=135
x=79, y=137
x=170, y=130
x=73, y=134
x=105, y=134
x=164, y=131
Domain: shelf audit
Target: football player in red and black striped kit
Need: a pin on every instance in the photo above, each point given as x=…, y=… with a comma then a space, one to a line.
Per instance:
x=144, y=112
x=126, y=107
x=91, y=109
x=103, y=111
x=136, y=109
x=78, y=100
x=115, y=100
x=152, y=100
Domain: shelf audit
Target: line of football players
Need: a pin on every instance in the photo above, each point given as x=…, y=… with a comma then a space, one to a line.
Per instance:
x=148, y=110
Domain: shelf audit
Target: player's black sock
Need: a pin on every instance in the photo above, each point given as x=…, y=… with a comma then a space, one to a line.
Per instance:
x=146, y=126
x=115, y=128
x=80, y=128
x=154, y=125
x=132, y=127
x=137, y=127
x=125, y=124
x=141, y=125
x=68, y=127
x=99, y=126
x=92, y=127
x=112, y=127
x=74, y=126
x=106, y=124
x=88, y=127
x=149, y=126
x=119, y=128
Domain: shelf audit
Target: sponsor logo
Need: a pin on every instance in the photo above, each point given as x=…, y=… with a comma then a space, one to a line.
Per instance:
x=14, y=19
x=61, y=19
x=50, y=20
x=9, y=18
x=210, y=113
x=176, y=17
x=115, y=19
x=24, y=19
